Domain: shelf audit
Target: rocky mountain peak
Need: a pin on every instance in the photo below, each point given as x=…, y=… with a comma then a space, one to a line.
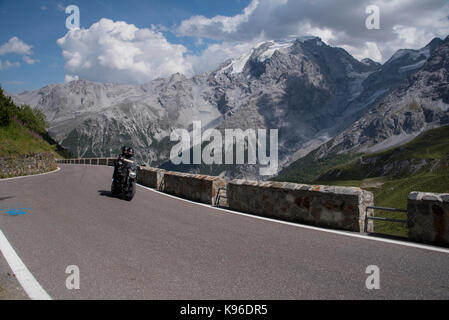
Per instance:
x=371, y=63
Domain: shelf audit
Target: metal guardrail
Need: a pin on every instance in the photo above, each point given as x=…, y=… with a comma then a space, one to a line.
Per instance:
x=381, y=218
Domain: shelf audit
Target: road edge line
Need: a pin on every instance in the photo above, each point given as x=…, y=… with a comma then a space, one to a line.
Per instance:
x=32, y=288
x=31, y=175
x=298, y=225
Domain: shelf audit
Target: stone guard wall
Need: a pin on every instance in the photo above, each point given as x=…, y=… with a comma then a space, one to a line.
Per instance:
x=325, y=206
x=150, y=177
x=428, y=218
x=196, y=187
x=27, y=165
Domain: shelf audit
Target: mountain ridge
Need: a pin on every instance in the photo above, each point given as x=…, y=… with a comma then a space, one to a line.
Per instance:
x=308, y=90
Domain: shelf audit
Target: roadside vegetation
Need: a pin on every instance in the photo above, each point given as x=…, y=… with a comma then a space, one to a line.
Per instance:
x=23, y=131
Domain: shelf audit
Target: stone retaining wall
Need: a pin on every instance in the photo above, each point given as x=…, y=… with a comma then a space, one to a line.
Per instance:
x=428, y=218
x=334, y=207
x=93, y=161
x=196, y=187
x=150, y=177
x=27, y=165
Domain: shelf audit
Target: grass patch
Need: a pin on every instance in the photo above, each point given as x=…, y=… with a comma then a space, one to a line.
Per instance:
x=307, y=169
x=17, y=141
x=393, y=193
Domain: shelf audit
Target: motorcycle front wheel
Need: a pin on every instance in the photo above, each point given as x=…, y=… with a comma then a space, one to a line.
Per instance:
x=129, y=195
x=114, y=189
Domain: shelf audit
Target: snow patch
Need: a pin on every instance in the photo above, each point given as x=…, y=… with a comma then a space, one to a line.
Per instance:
x=412, y=66
x=393, y=141
x=281, y=46
x=413, y=54
x=239, y=64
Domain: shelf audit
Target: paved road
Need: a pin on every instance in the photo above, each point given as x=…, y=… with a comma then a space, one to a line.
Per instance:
x=10, y=288
x=157, y=247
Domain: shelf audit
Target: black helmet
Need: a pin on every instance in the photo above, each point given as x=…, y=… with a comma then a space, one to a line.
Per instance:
x=124, y=149
x=130, y=152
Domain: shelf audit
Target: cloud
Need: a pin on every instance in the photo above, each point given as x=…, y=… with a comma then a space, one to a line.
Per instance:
x=43, y=8
x=215, y=54
x=15, y=82
x=7, y=65
x=119, y=52
x=403, y=24
x=29, y=60
x=69, y=78
x=218, y=26
x=60, y=6
x=15, y=45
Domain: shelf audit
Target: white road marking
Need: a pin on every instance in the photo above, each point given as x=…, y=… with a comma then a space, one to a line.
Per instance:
x=31, y=175
x=297, y=225
x=26, y=279
x=23, y=275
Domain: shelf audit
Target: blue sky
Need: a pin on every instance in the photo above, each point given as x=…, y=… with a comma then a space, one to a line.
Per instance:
x=136, y=41
x=41, y=23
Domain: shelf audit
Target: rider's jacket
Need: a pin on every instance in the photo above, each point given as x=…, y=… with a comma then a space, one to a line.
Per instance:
x=130, y=162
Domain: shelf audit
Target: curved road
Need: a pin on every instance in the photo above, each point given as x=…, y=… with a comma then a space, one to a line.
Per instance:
x=158, y=247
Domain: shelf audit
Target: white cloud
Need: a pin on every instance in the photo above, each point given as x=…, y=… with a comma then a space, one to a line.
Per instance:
x=216, y=54
x=404, y=24
x=60, y=7
x=119, y=52
x=29, y=60
x=6, y=65
x=217, y=26
x=15, y=45
x=367, y=50
x=69, y=78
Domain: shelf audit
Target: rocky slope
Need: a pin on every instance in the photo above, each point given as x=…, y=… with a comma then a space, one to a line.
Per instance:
x=418, y=103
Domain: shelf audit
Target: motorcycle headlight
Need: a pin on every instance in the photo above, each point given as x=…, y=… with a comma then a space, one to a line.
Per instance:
x=132, y=175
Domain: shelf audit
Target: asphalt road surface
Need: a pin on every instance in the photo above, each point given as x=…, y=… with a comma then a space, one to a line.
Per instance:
x=158, y=247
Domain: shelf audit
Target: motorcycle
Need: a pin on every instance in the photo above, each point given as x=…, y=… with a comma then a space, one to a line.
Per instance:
x=124, y=179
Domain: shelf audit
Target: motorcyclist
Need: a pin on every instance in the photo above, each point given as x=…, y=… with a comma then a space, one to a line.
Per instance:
x=120, y=157
x=124, y=151
x=130, y=159
x=124, y=180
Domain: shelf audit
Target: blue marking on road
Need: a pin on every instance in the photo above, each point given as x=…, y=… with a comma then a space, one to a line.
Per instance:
x=15, y=212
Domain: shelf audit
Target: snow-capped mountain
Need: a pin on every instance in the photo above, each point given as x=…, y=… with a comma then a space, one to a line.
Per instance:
x=306, y=89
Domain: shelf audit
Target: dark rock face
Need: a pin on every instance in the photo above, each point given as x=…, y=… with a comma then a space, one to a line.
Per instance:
x=420, y=102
